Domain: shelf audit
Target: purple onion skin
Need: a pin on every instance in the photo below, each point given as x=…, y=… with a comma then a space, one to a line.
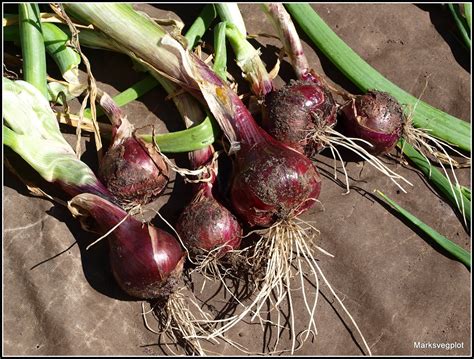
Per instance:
x=205, y=225
x=96, y=188
x=375, y=117
x=146, y=261
x=133, y=171
x=297, y=109
x=273, y=182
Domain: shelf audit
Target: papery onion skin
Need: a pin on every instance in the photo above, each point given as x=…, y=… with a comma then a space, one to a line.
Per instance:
x=375, y=117
x=293, y=112
x=133, y=171
x=146, y=261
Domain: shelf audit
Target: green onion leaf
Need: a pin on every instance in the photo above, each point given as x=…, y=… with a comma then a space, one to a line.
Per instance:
x=131, y=94
x=191, y=139
x=32, y=46
x=200, y=25
x=452, y=248
x=220, y=51
x=461, y=23
x=67, y=58
x=468, y=14
x=438, y=180
x=230, y=12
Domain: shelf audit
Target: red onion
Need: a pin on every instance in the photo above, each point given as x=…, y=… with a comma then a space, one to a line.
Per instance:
x=271, y=180
x=292, y=113
x=146, y=261
x=296, y=117
x=132, y=170
x=375, y=117
x=205, y=224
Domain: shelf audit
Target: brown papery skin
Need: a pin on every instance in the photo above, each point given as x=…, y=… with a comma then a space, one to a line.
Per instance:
x=146, y=261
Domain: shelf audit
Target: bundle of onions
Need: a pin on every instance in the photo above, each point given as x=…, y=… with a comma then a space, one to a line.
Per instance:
x=377, y=117
x=146, y=261
x=303, y=113
x=295, y=105
x=272, y=183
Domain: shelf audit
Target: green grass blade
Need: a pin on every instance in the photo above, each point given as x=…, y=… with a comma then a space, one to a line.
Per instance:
x=32, y=46
x=459, y=253
x=438, y=180
x=440, y=124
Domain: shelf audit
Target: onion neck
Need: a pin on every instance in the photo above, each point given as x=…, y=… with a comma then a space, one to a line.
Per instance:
x=288, y=35
x=233, y=117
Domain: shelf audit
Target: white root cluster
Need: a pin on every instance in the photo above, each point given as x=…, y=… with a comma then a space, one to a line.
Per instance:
x=330, y=138
x=282, y=252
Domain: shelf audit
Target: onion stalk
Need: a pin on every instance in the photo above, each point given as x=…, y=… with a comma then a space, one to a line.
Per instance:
x=230, y=12
x=455, y=194
x=199, y=135
x=31, y=130
x=453, y=249
x=196, y=31
x=462, y=14
x=56, y=45
x=32, y=45
x=220, y=51
x=248, y=59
